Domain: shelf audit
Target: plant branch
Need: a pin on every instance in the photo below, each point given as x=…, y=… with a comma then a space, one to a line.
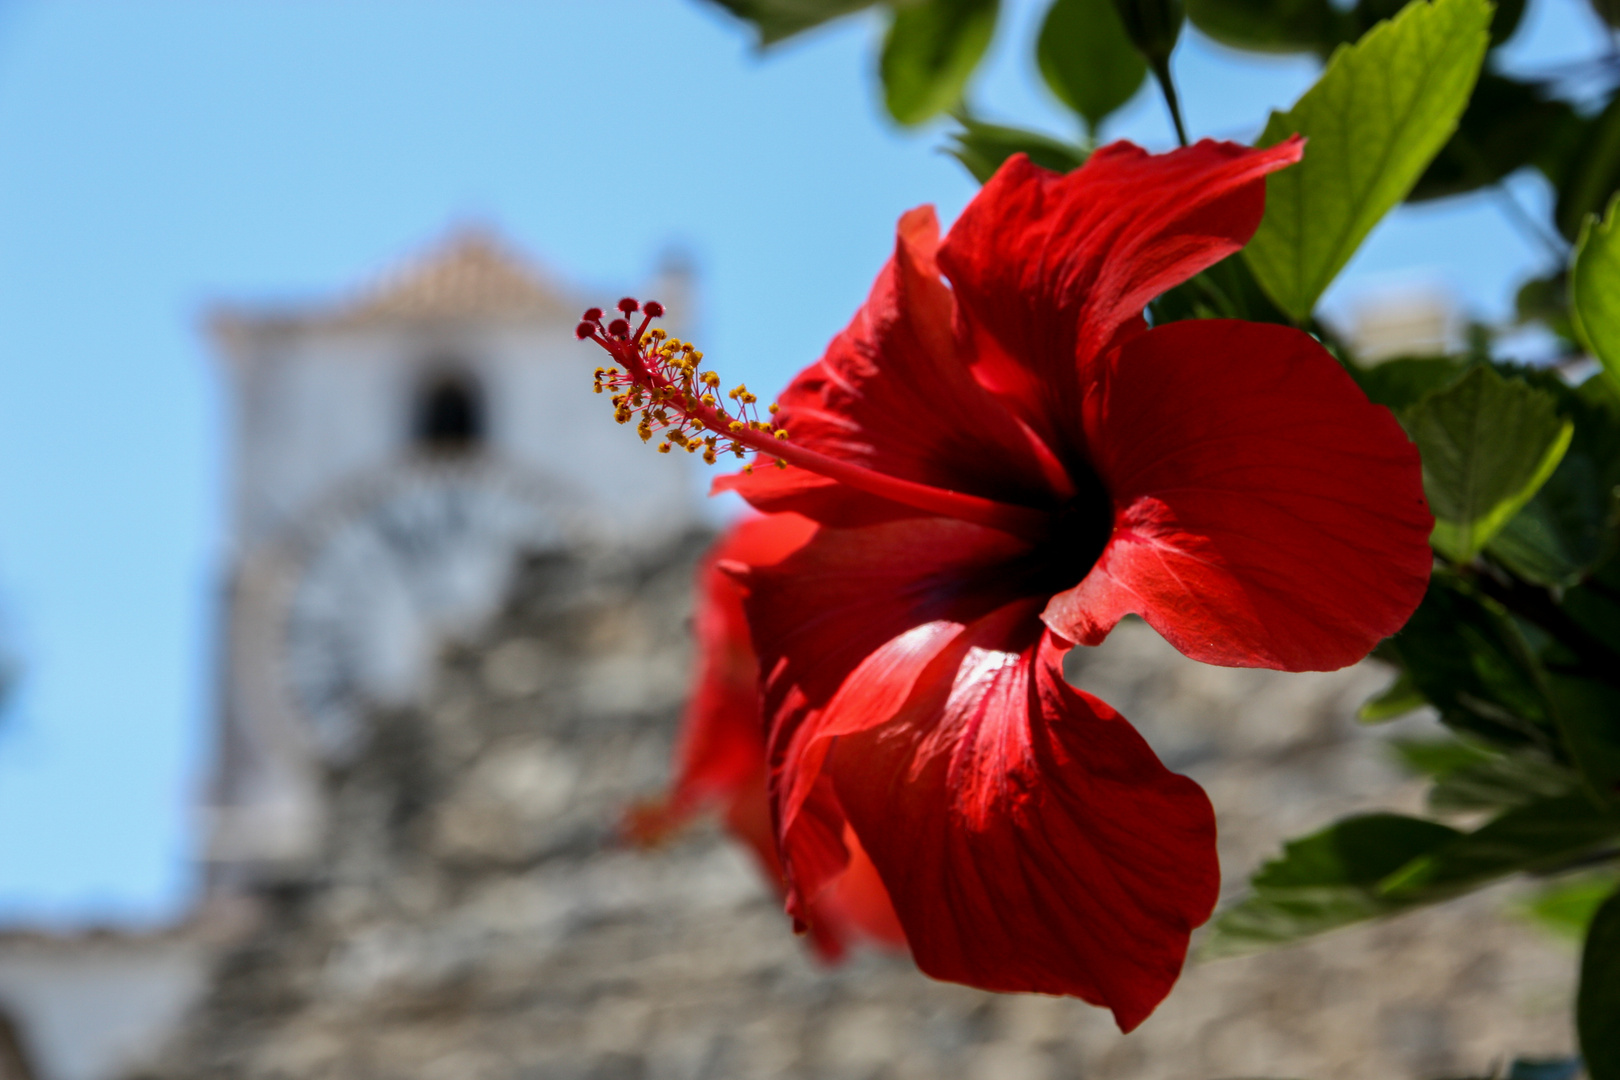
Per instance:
x=1167, y=86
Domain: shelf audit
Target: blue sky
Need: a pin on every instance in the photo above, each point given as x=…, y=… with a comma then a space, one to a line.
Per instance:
x=157, y=156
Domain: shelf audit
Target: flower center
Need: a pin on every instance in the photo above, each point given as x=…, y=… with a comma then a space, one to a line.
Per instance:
x=660, y=383
x=1079, y=531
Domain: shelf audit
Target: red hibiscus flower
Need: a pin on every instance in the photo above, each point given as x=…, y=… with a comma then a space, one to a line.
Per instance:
x=720, y=751
x=1001, y=468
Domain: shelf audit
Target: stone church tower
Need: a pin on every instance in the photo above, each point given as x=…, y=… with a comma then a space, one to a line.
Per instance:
x=392, y=456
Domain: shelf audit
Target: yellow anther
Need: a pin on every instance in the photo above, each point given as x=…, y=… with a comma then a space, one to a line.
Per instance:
x=708, y=399
x=735, y=425
x=780, y=434
x=749, y=399
x=663, y=448
x=748, y=468
x=708, y=457
x=780, y=464
x=775, y=408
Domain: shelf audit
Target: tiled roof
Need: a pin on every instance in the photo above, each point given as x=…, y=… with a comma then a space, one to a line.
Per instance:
x=470, y=275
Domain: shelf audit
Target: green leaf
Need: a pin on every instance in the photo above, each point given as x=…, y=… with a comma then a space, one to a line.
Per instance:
x=1594, y=289
x=1597, y=1003
x=1589, y=714
x=1594, y=605
x=1591, y=171
x=779, y=19
x=1566, y=906
x=1537, y=837
x=1568, y=528
x=1087, y=60
x=1379, y=113
x=930, y=53
x=1514, y=779
x=1226, y=290
x=1401, y=382
x=1469, y=778
x=1488, y=444
x=1271, y=25
x=1507, y=125
x=1472, y=663
x=982, y=147
x=1324, y=881
x=1397, y=699
x=1437, y=757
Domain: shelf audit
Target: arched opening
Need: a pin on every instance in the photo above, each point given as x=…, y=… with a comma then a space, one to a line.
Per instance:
x=449, y=415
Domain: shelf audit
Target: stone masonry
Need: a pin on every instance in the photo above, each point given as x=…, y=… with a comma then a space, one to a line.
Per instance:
x=474, y=917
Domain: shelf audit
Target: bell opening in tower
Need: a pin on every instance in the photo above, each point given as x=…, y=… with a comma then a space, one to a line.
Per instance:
x=449, y=416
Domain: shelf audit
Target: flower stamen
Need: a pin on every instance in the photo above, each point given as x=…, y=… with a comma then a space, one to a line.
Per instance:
x=660, y=383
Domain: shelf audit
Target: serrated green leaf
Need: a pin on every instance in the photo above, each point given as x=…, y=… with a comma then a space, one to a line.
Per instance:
x=930, y=54
x=1594, y=289
x=1473, y=664
x=1536, y=837
x=777, y=20
x=1087, y=60
x=982, y=147
x=1568, y=528
x=1403, y=381
x=1324, y=881
x=1488, y=444
x=1375, y=119
x=1597, y=1003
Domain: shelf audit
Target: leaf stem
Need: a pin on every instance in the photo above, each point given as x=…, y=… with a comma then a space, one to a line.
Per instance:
x=1167, y=86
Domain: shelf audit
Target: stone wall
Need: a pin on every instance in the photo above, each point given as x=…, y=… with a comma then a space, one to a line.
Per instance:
x=475, y=918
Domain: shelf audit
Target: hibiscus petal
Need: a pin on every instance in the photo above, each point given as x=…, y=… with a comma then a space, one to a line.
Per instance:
x=1029, y=838
x=1051, y=269
x=720, y=748
x=1266, y=514
x=844, y=628
x=893, y=394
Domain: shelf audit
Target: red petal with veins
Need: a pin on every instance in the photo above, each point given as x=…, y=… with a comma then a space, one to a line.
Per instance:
x=1029, y=837
x=1266, y=513
x=844, y=628
x=1052, y=269
x=893, y=393
x=721, y=747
